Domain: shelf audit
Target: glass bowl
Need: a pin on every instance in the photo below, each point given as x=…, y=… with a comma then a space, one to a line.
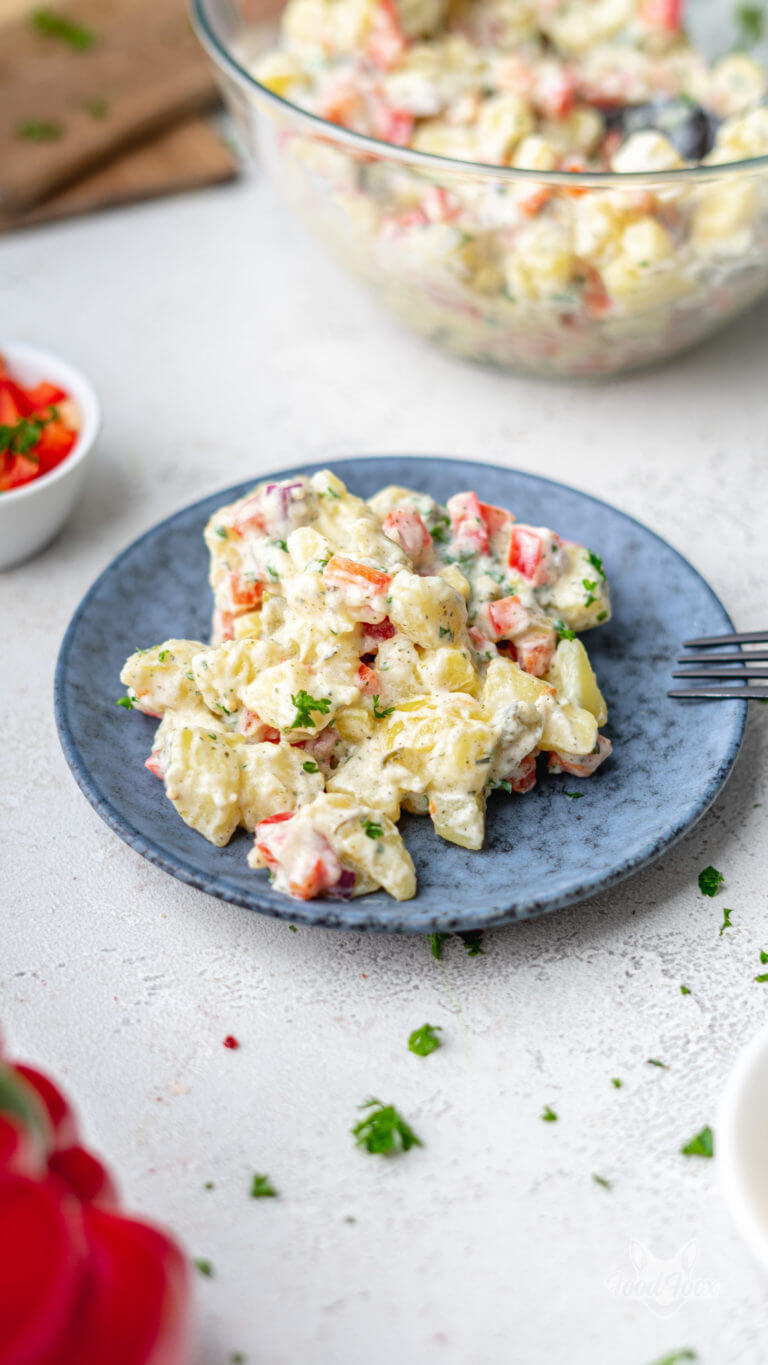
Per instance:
x=538, y=298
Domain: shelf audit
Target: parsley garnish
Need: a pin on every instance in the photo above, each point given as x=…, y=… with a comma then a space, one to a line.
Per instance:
x=562, y=631
x=437, y=941
x=424, y=1040
x=597, y=564
x=162, y=656
x=223, y=708
x=590, y=584
x=439, y=531
x=54, y=25
x=237, y=1358
x=204, y=1266
x=373, y=830
x=445, y=631
x=700, y=1145
x=709, y=881
x=209, y=1185
x=304, y=704
x=616, y=1083
x=329, y=493
x=96, y=106
x=763, y=956
x=473, y=942
x=310, y=766
x=381, y=712
x=262, y=1188
x=575, y=796
x=42, y=131
x=726, y=924
x=601, y=616
x=383, y=1131
x=685, y=990
x=283, y=544
x=221, y=532
x=503, y=785
x=24, y=435
x=675, y=1357
x=654, y=1061
x=126, y=702
x=548, y=1115
x=601, y=1180
x=750, y=21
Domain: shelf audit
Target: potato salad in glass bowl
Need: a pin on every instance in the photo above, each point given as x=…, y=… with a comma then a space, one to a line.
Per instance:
x=567, y=187
x=368, y=658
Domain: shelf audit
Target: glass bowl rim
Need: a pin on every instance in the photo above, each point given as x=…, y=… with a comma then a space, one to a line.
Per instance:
x=442, y=166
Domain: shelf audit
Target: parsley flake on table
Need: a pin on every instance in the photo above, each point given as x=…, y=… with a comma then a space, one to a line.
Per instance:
x=384, y=1131
x=601, y=1180
x=209, y=1185
x=473, y=942
x=685, y=990
x=763, y=976
x=575, y=796
x=436, y=942
x=548, y=1115
x=262, y=1187
x=726, y=924
x=304, y=704
x=424, y=1040
x=654, y=1061
x=40, y=130
x=763, y=956
x=750, y=24
x=125, y=702
x=237, y=1358
x=676, y=1357
x=616, y=1083
x=373, y=830
x=380, y=712
x=53, y=24
x=700, y=1145
x=205, y=1267
x=710, y=880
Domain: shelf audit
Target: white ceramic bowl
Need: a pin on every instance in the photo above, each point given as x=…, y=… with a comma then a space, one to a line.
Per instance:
x=32, y=515
x=742, y=1145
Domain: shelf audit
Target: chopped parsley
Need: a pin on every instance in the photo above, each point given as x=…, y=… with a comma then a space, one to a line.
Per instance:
x=383, y=1131
x=445, y=631
x=329, y=493
x=190, y=677
x=223, y=708
x=282, y=544
x=654, y=1061
x=503, y=785
x=439, y=531
x=575, y=796
x=424, y=1040
x=373, y=830
x=125, y=702
x=597, y=565
x=685, y=990
x=53, y=24
x=726, y=924
x=204, y=1266
x=42, y=130
x=221, y=532
x=548, y=1115
x=162, y=656
x=562, y=631
x=590, y=584
x=310, y=766
x=700, y=1145
x=473, y=942
x=750, y=23
x=601, y=1180
x=676, y=1357
x=762, y=977
x=436, y=942
x=763, y=956
x=96, y=106
x=209, y=1185
x=601, y=616
x=23, y=436
x=709, y=881
x=616, y=1083
x=237, y=1358
x=304, y=704
x=381, y=712
x=262, y=1187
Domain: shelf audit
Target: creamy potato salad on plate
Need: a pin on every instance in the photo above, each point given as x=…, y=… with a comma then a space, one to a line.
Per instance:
x=370, y=657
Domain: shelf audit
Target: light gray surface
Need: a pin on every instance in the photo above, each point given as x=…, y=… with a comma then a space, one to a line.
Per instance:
x=222, y=344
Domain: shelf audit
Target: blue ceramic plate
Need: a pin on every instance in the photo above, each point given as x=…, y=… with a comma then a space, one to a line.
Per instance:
x=544, y=850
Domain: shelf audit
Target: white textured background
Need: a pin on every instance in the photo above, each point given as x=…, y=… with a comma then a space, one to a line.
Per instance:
x=223, y=346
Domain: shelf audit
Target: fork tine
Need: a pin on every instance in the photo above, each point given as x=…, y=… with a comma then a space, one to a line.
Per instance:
x=733, y=675
x=730, y=693
x=747, y=637
x=752, y=656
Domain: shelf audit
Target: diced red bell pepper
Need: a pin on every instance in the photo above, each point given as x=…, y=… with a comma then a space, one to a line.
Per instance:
x=393, y=125
x=530, y=553
x=43, y=1259
x=18, y=470
x=467, y=523
x=268, y=841
x=597, y=300
x=406, y=528
x=85, y=1175
x=367, y=680
x=662, y=14
x=523, y=777
x=250, y=517
x=45, y=395
x=59, y=1111
x=386, y=41
x=496, y=519
x=321, y=876
x=508, y=617
x=14, y=403
x=155, y=765
x=56, y=442
x=535, y=652
x=554, y=91
x=245, y=592
x=19, y=1153
x=379, y=630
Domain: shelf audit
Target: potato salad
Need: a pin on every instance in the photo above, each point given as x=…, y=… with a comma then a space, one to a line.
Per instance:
x=368, y=658
x=528, y=272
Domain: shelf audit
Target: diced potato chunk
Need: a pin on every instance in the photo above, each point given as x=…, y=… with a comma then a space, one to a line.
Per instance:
x=573, y=676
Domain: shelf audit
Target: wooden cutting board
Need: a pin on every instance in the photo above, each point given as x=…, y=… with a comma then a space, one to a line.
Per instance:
x=84, y=110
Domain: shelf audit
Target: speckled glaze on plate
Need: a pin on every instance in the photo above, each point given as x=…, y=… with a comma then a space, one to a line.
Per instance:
x=543, y=851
